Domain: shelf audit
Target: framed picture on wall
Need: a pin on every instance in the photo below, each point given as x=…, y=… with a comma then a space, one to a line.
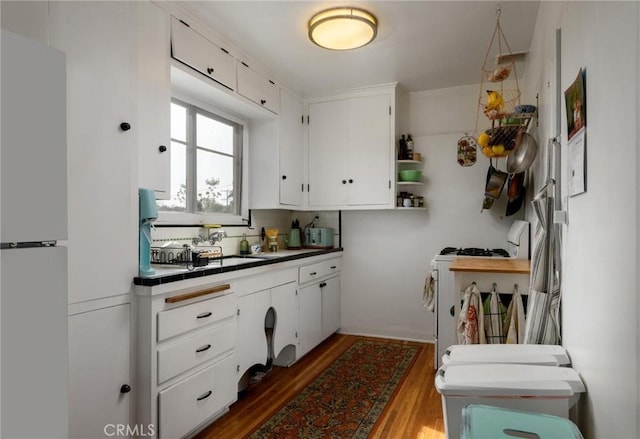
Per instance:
x=575, y=101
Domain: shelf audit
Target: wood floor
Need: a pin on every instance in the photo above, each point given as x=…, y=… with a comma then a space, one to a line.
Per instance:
x=415, y=412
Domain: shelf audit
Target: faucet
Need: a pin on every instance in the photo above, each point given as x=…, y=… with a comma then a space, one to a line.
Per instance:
x=206, y=235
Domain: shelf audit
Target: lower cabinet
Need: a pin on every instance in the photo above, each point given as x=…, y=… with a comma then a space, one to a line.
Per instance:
x=284, y=302
x=198, y=338
x=252, y=339
x=309, y=318
x=194, y=399
x=100, y=388
x=330, y=290
x=318, y=303
x=186, y=357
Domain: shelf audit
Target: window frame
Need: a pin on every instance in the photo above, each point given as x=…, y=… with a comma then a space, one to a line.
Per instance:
x=240, y=169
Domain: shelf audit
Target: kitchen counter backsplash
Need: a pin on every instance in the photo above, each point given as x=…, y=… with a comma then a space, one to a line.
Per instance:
x=281, y=219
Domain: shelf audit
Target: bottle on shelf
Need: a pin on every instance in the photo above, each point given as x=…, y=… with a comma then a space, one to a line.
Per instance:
x=402, y=149
x=409, y=145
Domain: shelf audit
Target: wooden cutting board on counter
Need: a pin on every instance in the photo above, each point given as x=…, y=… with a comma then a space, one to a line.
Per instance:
x=491, y=265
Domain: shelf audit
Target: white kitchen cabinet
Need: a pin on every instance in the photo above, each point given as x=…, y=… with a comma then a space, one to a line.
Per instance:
x=189, y=403
x=191, y=48
x=284, y=301
x=331, y=298
x=309, y=318
x=276, y=157
x=319, y=303
x=351, y=151
x=186, y=356
x=257, y=88
x=154, y=98
x=99, y=43
x=252, y=338
x=291, y=150
x=100, y=385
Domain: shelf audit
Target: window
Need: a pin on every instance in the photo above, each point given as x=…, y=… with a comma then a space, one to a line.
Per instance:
x=206, y=163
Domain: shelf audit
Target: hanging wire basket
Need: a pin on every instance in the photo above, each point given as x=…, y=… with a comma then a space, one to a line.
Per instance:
x=498, y=98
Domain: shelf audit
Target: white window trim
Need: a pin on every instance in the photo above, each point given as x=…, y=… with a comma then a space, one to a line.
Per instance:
x=187, y=218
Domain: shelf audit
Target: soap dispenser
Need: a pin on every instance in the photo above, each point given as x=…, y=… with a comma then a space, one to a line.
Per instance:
x=244, y=245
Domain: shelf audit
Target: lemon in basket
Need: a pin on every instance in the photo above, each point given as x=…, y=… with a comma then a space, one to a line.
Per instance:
x=483, y=139
x=498, y=149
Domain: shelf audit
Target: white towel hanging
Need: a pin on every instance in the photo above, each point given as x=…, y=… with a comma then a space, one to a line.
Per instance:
x=515, y=322
x=429, y=293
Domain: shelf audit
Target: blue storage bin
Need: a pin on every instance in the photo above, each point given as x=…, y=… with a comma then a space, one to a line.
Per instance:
x=488, y=422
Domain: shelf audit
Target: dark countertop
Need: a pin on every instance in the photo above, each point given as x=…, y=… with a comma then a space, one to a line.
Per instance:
x=181, y=273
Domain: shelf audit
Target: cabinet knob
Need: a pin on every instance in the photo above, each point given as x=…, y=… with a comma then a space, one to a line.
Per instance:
x=125, y=126
x=452, y=311
x=126, y=388
x=262, y=101
x=284, y=177
x=344, y=181
x=323, y=284
x=209, y=70
x=162, y=148
x=350, y=180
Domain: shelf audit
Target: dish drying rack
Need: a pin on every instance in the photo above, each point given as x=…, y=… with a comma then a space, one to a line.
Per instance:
x=185, y=257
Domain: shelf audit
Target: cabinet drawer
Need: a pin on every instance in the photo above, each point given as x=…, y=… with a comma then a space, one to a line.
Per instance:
x=191, y=48
x=187, y=404
x=180, y=357
x=310, y=272
x=186, y=318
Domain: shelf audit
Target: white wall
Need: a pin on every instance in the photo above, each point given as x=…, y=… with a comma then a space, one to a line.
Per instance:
x=600, y=292
x=388, y=253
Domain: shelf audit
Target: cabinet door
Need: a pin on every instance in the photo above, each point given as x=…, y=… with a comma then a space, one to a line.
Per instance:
x=97, y=39
x=154, y=98
x=285, y=305
x=328, y=122
x=191, y=48
x=291, y=149
x=370, y=154
x=330, y=306
x=99, y=365
x=257, y=88
x=252, y=346
x=310, y=318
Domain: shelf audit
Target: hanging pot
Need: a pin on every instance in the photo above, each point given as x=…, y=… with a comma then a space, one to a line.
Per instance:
x=523, y=154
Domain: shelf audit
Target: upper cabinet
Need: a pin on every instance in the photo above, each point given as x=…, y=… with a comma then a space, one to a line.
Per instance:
x=290, y=137
x=97, y=38
x=351, y=150
x=276, y=157
x=154, y=97
x=194, y=50
x=258, y=89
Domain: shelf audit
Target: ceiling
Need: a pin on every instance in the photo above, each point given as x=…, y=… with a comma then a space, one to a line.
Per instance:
x=422, y=45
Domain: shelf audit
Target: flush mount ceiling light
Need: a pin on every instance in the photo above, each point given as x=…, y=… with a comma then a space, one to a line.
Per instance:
x=343, y=28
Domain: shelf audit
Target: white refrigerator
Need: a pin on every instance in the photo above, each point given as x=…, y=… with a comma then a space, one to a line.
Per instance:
x=33, y=219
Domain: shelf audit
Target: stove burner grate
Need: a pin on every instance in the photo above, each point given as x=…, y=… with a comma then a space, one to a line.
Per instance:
x=474, y=251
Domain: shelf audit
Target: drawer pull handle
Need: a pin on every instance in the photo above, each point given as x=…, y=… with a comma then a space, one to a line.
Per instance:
x=204, y=315
x=204, y=396
x=187, y=296
x=333, y=267
x=203, y=348
x=323, y=284
x=313, y=273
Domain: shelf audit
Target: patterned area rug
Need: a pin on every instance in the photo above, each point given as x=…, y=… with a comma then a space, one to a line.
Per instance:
x=345, y=400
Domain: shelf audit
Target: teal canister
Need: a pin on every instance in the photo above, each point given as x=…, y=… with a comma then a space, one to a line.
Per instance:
x=293, y=238
x=244, y=245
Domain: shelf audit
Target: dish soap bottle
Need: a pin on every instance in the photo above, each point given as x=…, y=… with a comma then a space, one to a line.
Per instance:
x=244, y=245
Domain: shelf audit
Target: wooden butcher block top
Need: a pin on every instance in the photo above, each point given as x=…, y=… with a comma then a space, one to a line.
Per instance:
x=491, y=265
